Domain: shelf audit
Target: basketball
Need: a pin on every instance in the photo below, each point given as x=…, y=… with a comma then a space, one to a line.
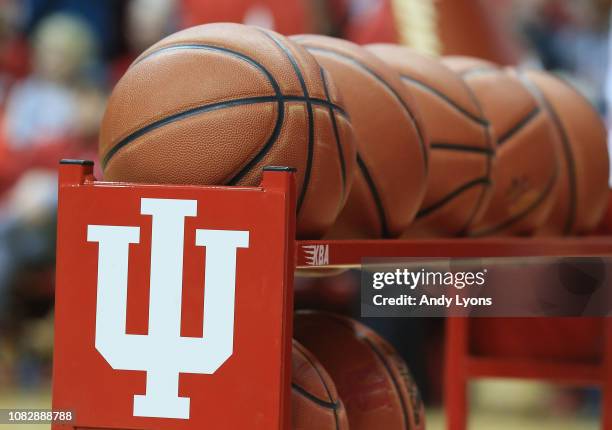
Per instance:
x=374, y=382
x=461, y=151
x=315, y=401
x=214, y=104
x=392, y=148
x=526, y=167
x=583, y=178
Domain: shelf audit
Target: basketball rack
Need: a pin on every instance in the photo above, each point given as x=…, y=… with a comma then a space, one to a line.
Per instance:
x=105, y=360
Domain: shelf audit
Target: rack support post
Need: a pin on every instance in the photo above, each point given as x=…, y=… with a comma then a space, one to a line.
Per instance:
x=455, y=378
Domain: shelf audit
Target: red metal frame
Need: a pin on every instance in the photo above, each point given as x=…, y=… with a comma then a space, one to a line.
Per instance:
x=462, y=366
x=251, y=390
x=607, y=378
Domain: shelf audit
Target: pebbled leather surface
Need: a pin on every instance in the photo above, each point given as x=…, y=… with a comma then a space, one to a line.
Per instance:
x=315, y=401
x=388, y=141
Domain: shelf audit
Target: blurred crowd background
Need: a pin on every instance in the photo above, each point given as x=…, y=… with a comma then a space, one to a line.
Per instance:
x=59, y=60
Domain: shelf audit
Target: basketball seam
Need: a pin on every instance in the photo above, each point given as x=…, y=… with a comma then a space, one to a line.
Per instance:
x=452, y=195
x=485, y=190
x=518, y=126
x=141, y=131
x=259, y=66
x=180, y=116
x=389, y=88
x=324, y=382
x=396, y=384
x=334, y=407
x=310, y=113
x=332, y=115
x=489, y=152
x=375, y=195
x=549, y=187
x=567, y=149
x=186, y=108
x=323, y=403
x=448, y=100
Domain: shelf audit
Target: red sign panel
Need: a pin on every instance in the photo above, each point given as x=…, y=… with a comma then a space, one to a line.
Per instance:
x=171, y=304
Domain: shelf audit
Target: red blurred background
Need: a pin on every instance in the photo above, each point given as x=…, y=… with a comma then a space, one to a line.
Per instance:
x=59, y=59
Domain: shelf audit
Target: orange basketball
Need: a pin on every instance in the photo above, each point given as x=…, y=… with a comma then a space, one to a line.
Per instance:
x=315, y=401
x=583, y=179
x=391, y=168
x=214, y=104
x=460, y=147
x=526, y=167
x=374, y=382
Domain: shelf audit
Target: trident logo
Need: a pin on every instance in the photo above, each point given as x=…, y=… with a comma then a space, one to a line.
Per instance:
x=163, y=353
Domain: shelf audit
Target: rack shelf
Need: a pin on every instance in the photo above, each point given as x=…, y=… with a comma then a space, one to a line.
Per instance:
x=349, y=253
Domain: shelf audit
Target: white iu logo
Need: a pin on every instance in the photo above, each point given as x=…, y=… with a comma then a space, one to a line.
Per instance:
x=163, y=353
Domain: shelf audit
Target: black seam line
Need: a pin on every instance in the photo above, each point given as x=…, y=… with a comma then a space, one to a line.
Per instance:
x=338, y=403
x=492, y=230
x=567, y=149
x=315, y=399
x=377, y=200
x=452, y=195
x=336, y=135
x=462, y=148
x=395, y=94
x=318, y=102
x=248, y=59
x=396, y=384
x=336, y=416
x=476, y=71
x=518, y=126
x=448, y=100
x=182, y=115
x=485, y=191
x=300, y=77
